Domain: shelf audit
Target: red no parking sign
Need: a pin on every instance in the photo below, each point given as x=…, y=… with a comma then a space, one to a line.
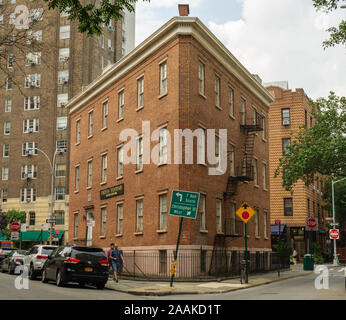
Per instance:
x=334, y=234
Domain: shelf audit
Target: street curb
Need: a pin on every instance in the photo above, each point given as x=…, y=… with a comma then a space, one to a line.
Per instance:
x=177, y=292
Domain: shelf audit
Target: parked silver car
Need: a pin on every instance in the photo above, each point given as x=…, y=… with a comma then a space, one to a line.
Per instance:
x=12, y=261
x=36, y=258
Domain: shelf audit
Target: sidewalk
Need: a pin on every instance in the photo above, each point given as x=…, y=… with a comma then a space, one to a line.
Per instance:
x=156, y=288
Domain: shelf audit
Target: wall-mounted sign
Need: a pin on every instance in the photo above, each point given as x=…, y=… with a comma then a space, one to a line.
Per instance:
x=112, y=192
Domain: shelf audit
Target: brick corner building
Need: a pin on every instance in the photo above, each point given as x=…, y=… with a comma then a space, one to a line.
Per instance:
x=288, y=112
x=181, y=77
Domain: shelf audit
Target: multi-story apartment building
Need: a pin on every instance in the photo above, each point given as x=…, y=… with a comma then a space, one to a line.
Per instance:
x=287, y=113
x=53, y=63
x=181, y=77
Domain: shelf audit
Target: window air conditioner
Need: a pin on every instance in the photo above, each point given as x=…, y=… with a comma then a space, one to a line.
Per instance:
x=30, y=130
x=111, y=28
x=29, y=152
x=286, y=122
x=28, y=200
x=32, y=84
x=64, y=80
x=29, y=175
x=62, y=104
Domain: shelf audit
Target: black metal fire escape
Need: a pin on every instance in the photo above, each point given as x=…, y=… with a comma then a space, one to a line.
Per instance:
x=233, y=229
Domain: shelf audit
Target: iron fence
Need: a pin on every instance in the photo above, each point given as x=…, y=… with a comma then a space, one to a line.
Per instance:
x=198, y=265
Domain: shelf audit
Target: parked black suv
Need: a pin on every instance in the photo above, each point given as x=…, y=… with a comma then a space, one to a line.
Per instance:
x=5, y=251
x=71, y=263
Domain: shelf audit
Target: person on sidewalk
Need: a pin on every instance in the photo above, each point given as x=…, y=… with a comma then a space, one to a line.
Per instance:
x=117, y=259
x=108, y=254
x=295, y=256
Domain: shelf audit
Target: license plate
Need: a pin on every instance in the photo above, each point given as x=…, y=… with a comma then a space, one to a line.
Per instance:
x=88, y=269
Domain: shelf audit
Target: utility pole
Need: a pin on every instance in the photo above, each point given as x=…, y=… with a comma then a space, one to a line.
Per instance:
x=335, y=260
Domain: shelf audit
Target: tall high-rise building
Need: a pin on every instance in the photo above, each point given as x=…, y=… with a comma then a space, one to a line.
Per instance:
x=41, y=69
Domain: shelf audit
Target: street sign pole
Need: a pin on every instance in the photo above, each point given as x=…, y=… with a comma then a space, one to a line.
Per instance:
x=246, y=257
x=176, y=250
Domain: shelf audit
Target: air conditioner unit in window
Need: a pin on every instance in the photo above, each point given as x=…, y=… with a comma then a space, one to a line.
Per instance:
x=30, y=130
x=32, y=84
x=29, y=175
x=64, y=80
x=28, y=200
x=61, y=150
x=63, y=58
x=62, y=104
x=286, y=122
x=29, y=152
x=111, y=28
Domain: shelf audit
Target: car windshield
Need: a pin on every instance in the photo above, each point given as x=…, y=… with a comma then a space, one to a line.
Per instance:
x=6, y=251
x=47, y=250
x=88, y=254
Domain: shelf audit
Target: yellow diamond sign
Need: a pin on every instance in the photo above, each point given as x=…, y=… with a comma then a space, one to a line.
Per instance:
x=245, y=212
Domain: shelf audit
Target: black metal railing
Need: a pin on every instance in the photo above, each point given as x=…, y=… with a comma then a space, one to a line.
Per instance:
x=197, y=265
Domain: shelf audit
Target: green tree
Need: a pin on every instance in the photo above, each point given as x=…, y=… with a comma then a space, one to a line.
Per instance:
x=90, y=15
x=337, y=34
x=320, y=148
x=13, y=215
x=339, y=198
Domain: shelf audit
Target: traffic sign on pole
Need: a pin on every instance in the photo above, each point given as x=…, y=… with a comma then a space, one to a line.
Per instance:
x=245, y=212
x=14, y=235
x=334, y=234
x=184, y=204
x=15, y=226
x=311, y=223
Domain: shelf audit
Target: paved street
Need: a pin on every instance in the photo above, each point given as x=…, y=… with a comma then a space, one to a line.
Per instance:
x=301, y=288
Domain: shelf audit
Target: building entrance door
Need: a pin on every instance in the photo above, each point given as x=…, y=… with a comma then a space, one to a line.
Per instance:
x=89, y=235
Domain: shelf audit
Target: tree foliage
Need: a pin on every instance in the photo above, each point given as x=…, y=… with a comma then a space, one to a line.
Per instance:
x=337, y=34
x=12, y=216
x=339, y=198
x=320, y=148
x=90, y=16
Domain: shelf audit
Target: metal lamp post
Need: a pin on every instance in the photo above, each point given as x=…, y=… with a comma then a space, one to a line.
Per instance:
x=52, y=173
x=335, y=260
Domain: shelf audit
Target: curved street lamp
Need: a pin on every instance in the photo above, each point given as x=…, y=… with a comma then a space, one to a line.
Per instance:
x=52, y=173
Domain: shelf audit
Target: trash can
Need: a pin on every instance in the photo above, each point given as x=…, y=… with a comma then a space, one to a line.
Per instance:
x=308, y=262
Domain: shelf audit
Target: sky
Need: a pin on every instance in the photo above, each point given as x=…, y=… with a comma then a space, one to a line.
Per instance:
x=280, y=40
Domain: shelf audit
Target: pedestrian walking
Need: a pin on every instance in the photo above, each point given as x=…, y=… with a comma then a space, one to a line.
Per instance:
x=295, y=256
x=108, y=254
x=117, y=259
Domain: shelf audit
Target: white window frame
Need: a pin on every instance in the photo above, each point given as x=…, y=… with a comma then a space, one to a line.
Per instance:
x=139, y=153
x=163, y=145
x=217, y=89
x=231, y=101
x=120, y=159
x=163, y=211
x=75, y=227
x=201, y=78
x=6, y=147
x=8, y=105
x=5, y=173
x=64, y=32
x=121, y=104
x=104, y=168
x=33, y=80
x=90, y=123
x=139, y=215
x=76, y=177
x=163, y=78
x=60, y=195
x=62, y=99
x=103, y=221
x=63, y=76
x=120, y=217
x=201, y=146
x=26, y=146
x=104, y=114
x=61, y=123
x=89, y=174
x=32, y=103
x=7, y=128
x=78, y=128
x=140, y=92
x=31, y=125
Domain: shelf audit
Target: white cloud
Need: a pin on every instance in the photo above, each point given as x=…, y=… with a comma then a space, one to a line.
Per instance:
x=282, y=40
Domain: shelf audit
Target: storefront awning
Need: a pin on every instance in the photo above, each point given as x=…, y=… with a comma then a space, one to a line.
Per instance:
x=274, y=229
x=35, y=236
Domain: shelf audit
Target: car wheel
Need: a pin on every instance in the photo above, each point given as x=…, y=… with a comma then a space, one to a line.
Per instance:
x=32, y=275
x=59, y=281
x=2, y=270
x=44, y=276
x=100, y=285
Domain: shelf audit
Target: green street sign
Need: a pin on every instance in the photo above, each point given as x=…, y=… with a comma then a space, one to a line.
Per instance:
x=184, y=204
